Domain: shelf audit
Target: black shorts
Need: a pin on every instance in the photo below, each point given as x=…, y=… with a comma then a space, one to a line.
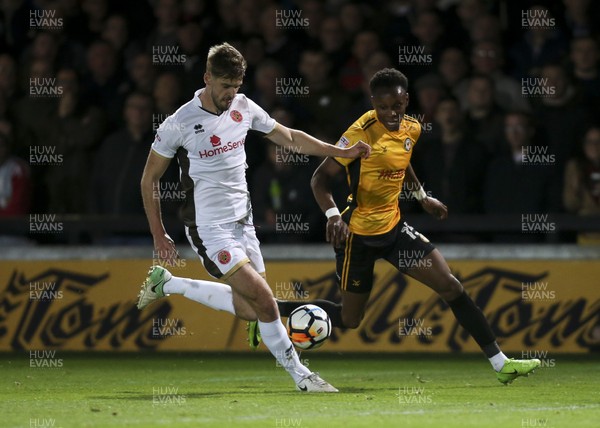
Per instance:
x=403, y=247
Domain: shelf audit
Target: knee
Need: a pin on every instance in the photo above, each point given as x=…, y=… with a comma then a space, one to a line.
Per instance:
x=450, y=288
x=266, y=309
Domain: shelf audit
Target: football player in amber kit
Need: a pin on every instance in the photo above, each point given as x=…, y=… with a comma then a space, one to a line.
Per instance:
x=371, y=227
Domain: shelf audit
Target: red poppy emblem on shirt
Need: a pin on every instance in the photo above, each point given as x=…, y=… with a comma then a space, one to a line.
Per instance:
x=224, y=257
x=236, y=116
x=215, y=141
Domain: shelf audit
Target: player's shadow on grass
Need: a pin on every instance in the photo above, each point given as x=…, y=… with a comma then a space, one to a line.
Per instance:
x=132, y=395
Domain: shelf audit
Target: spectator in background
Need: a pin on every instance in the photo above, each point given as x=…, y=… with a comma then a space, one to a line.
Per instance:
x=579, y=16
x=228, y=22
x=453, y=69
x=8, y=78
x=44, y=47
x=104, y=86
x=518, y=185
x=15, y=35
x=254, y=52
x=324, y=97
x=467, y=12
x=142, y=73
x=193, y=10
x=167, y=94
x=281, y=187
x=265, y=85
x=193, y=45
x=116, y=32
x=484, y=118
x=332, y=40
x=561, y=113
x=120, y=160
x=353, y=17
x=95, y=13
x=167, y=13
x=417, y=56
x=376, y=61
x=581, y=194
x=486, y=27
x=350, y=75
x=314, y=12
x=15, y=181
x=451, y=164
x=586, y=72
x=429, y=90
x=278, y=45
x=538, y=46
x=487, y=58
x=33, y=112
x=249, y=13
x=76, y=130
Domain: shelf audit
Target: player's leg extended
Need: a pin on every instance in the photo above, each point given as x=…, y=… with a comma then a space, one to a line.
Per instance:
x=255, y=290
x=160, y=283
x=437, y=275
x=354, y=270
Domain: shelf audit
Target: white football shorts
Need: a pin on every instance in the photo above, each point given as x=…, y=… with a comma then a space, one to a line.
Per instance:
x=225, y=248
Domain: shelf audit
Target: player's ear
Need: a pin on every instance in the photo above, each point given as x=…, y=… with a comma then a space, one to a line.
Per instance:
x=207, y=78
x=407, y=98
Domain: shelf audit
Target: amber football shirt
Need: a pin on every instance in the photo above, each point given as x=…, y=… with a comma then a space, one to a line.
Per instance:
x=375, y=183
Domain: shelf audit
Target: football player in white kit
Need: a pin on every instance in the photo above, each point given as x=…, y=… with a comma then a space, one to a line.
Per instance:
x=207, y=135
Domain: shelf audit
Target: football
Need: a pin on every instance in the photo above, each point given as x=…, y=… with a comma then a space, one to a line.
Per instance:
x=308, y=327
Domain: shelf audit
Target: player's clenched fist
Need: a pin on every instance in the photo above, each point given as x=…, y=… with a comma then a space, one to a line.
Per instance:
x=337, y=231
x=360, y=149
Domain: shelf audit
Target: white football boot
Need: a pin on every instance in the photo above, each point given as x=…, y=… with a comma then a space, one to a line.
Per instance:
x=313, y=383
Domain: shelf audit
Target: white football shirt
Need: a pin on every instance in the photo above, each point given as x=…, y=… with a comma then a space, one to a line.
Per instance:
x=211, y=156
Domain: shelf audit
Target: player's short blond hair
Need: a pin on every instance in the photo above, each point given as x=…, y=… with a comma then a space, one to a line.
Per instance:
x=225, y=61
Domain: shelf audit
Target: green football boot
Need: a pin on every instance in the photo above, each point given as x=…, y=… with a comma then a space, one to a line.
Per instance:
x=254, y=338
x=152, y=288
x=512, y=369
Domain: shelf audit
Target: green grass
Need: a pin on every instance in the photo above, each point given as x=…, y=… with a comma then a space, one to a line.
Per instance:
x=248, y=390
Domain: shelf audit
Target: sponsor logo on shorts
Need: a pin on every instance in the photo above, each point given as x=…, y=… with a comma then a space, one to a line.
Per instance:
x=224, y=257
x=236, y=116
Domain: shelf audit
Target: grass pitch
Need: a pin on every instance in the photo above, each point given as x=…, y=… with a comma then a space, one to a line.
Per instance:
x=248, y=390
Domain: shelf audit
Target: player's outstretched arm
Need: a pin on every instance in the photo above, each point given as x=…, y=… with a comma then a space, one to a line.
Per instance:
x=430, y=204
x=156, y=165
x=337, y=229
x=309, y=145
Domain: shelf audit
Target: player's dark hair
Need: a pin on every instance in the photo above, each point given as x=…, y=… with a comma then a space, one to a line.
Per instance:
x=388, y=78
x=226, y=62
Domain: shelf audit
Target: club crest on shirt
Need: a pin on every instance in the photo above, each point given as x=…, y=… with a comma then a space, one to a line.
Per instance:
x=236, y=116
x=224, y=257
x=408, y=144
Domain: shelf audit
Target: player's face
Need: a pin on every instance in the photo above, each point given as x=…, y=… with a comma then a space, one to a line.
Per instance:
x=222, y=90
x=390, y=105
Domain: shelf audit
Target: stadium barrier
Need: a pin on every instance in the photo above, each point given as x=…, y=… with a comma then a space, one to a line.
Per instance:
x=543, y=298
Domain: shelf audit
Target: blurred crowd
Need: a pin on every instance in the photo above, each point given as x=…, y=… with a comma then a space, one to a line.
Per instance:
x=508, y=94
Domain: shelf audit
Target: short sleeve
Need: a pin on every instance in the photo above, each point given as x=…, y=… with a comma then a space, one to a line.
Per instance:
x=168, y=138
x=261, y=121
x=415, y=132
x=353, y=135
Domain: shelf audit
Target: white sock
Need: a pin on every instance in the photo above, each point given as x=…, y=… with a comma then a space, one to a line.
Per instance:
x=212, y=294
x=275, y=337
x=498, y=361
